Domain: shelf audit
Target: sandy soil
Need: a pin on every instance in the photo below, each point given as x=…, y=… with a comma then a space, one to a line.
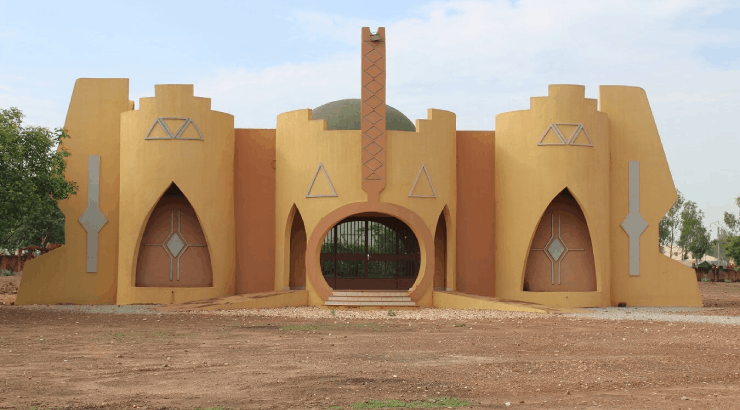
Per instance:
x=720, y=298
x=53, y=357
x=9, y=288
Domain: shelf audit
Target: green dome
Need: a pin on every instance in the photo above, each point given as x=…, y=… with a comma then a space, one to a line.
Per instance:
x=345, y=115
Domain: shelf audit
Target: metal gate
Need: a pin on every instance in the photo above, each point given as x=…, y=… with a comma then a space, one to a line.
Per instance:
x=370, y=253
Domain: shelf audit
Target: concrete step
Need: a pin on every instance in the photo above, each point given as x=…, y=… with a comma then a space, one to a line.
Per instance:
x=370, y=298
x=370, y=293
x=364, y=303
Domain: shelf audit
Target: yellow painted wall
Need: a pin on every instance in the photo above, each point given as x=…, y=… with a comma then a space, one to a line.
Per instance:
x=634, y=137
x=204, y=172
x=93, y=123
x=303, y=143
x=529, y=176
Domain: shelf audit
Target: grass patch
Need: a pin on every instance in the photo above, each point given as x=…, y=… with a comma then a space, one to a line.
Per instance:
x=460, y=325
x=442, y=402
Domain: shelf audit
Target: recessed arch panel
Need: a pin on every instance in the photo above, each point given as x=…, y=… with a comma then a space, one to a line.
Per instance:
x=561, y=257
x=297, y=274
x=173, y=250
x=440, y=252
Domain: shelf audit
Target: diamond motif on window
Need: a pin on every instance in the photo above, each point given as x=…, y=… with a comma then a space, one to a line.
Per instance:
x=556, y=249
x=175, y=244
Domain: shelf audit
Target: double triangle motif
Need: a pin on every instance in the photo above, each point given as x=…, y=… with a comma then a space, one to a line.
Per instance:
x=167, y=128
x=428, y=183
x=553, y=135
x=313, y=181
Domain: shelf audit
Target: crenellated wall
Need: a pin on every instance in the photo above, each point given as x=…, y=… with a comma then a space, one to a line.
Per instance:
x=484, y=204
x=534, y=161
x=303, y=144
x=199, y=159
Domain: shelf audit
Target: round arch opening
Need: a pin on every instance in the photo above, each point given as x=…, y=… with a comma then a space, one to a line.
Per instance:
x=370, y=251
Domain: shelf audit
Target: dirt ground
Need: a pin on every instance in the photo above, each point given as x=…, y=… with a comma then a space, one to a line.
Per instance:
x=60, y=357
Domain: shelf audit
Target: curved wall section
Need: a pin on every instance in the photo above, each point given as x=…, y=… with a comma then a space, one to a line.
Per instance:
x=561, y=257
x=176, y=138
x=561, y=141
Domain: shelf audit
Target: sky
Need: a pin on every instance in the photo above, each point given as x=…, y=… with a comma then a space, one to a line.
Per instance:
x=477, y=59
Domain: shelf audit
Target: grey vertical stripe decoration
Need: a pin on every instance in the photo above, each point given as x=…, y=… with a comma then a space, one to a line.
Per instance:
x=634, y=224
x=92, y=220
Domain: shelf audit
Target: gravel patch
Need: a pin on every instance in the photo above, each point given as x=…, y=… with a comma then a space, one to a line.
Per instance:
x=401, y=314
x=663, y=314
x=115, y=309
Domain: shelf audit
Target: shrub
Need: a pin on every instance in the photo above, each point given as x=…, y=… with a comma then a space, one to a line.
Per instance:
x=704, y=266
x=6, y=272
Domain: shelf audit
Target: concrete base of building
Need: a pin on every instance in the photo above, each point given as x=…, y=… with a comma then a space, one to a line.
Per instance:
x=246, y=301
x=459, y=300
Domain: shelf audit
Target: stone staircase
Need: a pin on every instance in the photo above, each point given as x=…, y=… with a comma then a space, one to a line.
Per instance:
x=369, y=298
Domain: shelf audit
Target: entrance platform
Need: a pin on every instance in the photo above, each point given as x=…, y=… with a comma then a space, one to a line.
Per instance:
x=246, y=301
x=364, y=300
x=459, y=300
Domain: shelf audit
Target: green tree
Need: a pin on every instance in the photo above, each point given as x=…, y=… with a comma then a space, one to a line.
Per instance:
x=732, y=221
x=723, y=235
x=732, y=248
x=732, y=243
x=694, y=236
x=31, y=183
x=670, y=225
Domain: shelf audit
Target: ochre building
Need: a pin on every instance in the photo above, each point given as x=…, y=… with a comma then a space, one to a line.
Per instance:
x=353, y=204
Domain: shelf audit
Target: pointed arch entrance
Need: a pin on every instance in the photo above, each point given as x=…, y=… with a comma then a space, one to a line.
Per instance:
x=297, y=276
x=173, y=250
x=561, y=257
x=440, y=253
x=370, y=251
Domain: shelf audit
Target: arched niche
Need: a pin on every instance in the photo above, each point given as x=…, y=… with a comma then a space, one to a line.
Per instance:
x=173, y=250
x=561, y=257
x=297, y=277
x=440, y=253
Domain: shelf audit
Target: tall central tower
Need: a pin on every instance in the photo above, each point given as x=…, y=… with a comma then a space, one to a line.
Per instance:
x=373, y=112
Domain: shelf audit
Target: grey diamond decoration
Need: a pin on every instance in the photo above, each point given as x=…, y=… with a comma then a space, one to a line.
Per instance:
x=556, y=249
x=634, y=224
x=92, y=219
x=175, y=244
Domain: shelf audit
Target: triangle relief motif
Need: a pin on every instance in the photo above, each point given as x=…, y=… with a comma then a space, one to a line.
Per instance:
x=324, y=188
x=566, y=134
x=167, y=128
x=422, y=187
